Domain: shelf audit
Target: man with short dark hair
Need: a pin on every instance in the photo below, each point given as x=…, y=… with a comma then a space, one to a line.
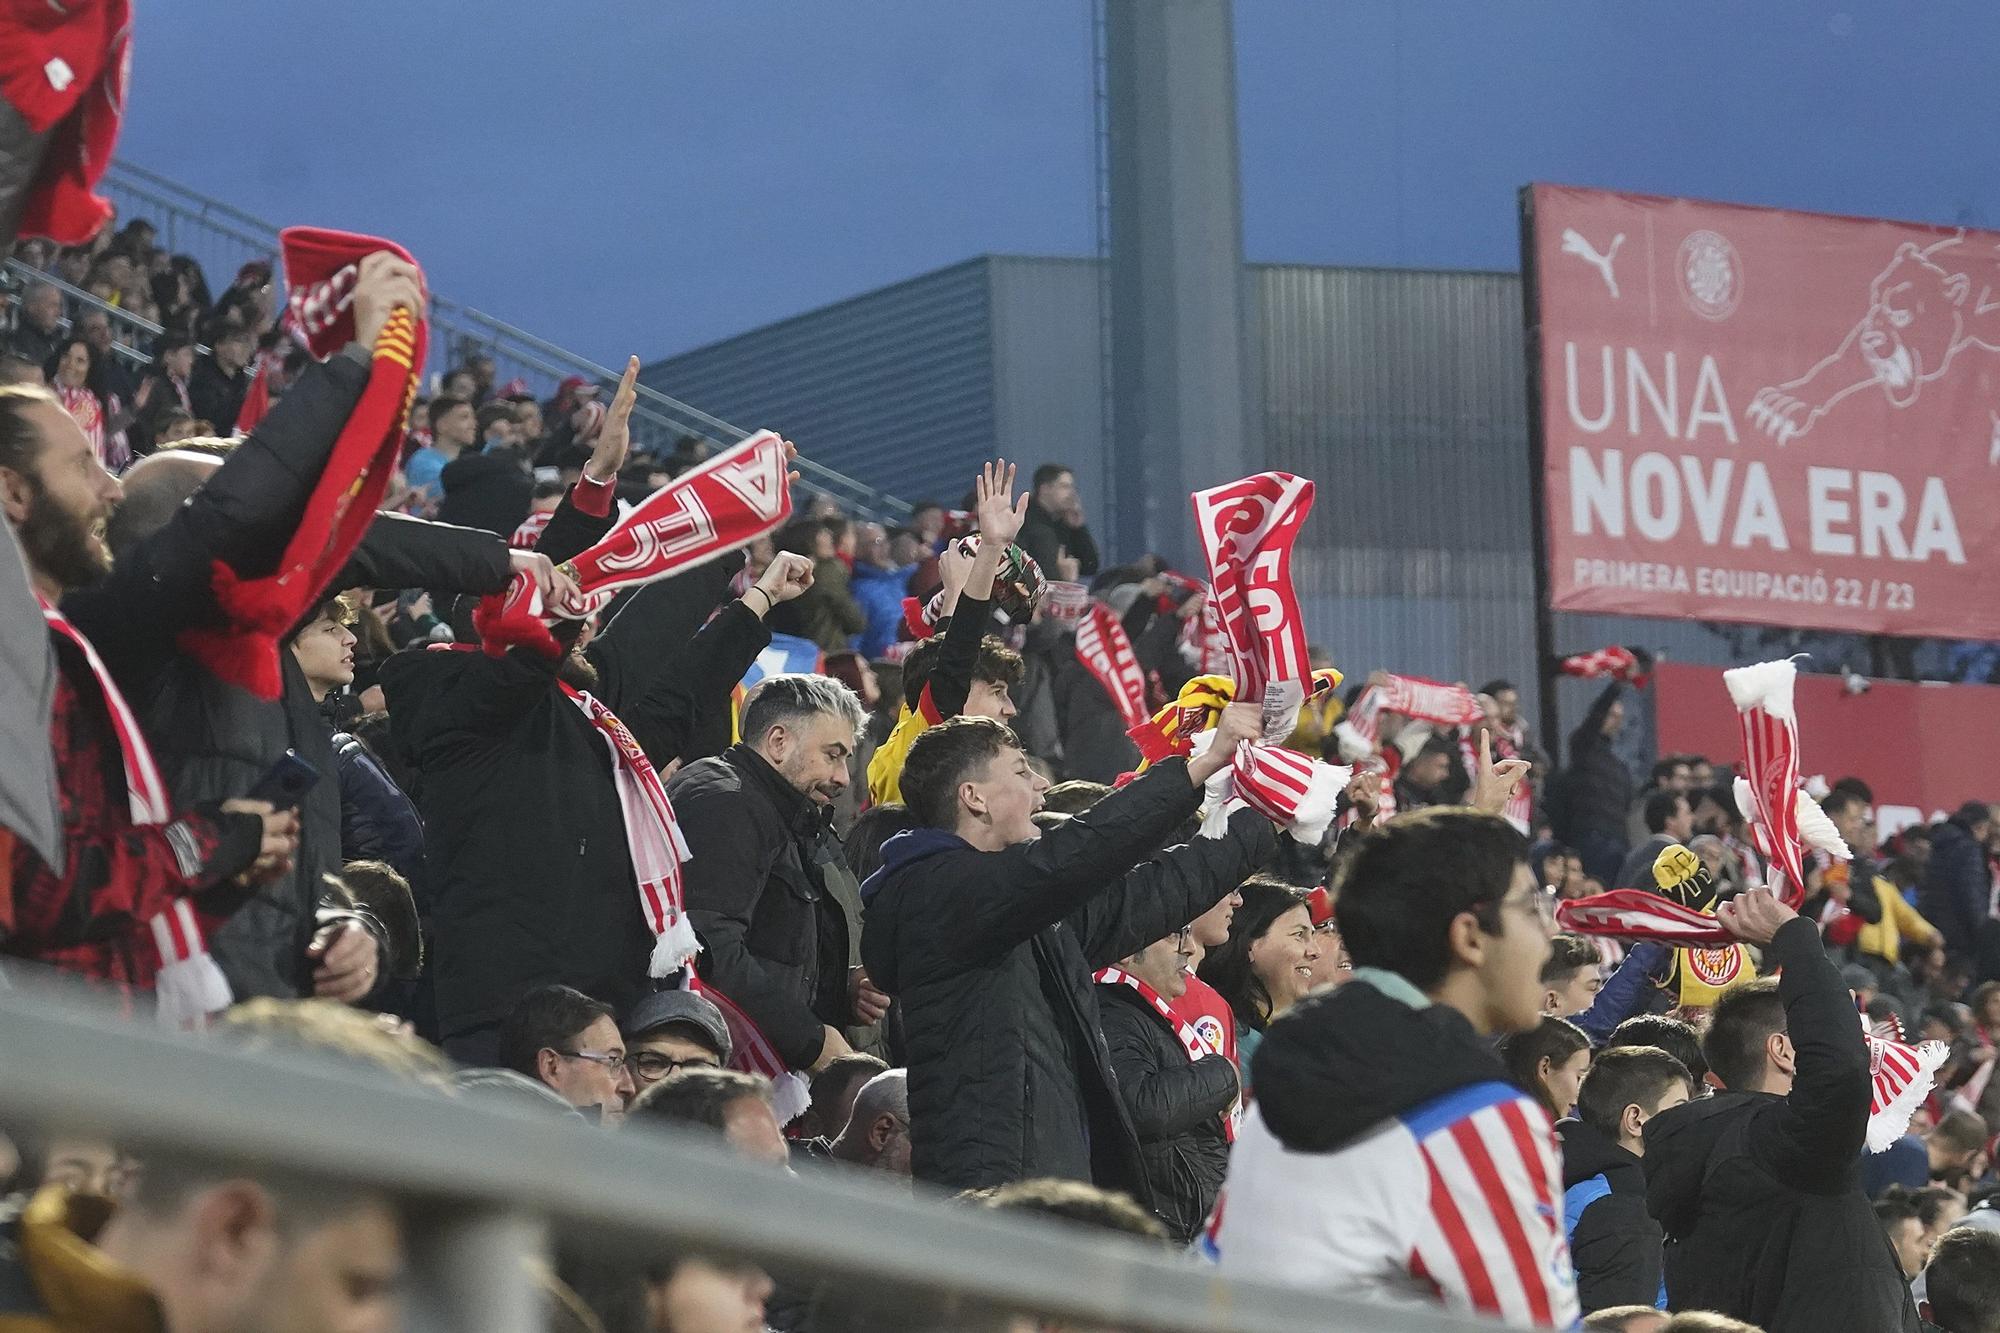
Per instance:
x=1613, y=1241
x=734, y=1104
x=163, y=391
x=569, y=1043
x=222, y=378
x=454, y=426
x=756, y=820
x=1055, y=525
x=1572, y=977
x=989, y=933
x=1962, y=1282
x=1673, y=1035
x=1942, y=1152
x=1759, y=1187
x=1386, y=1154
x=834, y=1087
x=670, y=1030
x=1904, y=1230
x=1669, y=820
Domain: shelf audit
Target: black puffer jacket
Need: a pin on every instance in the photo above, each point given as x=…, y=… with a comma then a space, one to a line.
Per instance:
x=1613, y=1241
x=991, y=954
x=1176, y=1105
x=528, y=873
x=377, y=821
x=1760, y=1195
x=773, y=939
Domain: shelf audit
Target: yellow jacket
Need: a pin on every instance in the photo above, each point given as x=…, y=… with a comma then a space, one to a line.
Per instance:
x=1899, y=922
x=885, y=766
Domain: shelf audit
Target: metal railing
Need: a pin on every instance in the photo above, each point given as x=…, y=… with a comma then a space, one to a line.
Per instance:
x=137, y=344
x=486, y=1191
x=223, y=238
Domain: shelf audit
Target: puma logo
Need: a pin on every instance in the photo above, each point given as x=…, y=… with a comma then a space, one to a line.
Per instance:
x=1574, y=244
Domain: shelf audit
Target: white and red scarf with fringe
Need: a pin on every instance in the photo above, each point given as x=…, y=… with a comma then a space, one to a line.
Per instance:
x=1185, y=1032
x=188, y=986
x=1106, y=650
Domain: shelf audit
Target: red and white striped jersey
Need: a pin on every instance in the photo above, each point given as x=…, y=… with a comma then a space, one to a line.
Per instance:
x=1455, y=1201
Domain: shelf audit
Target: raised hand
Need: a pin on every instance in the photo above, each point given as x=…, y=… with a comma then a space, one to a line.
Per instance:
x=614, y=439
x=787, y=576
x=1495, y=783
x=1000, y=514
x=1239, y=722
x=381, y=283
x=1754, y=916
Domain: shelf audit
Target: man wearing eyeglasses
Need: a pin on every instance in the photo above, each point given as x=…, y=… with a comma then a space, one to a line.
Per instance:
x=570, y=1043
x=670, y=1030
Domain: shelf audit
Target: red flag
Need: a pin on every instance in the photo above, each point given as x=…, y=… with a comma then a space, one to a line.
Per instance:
x=321, y=268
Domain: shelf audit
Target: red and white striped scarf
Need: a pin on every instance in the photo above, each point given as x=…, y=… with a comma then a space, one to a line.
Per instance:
x=652, y=836
x=1188, y=1035
x=529, y=532
x=1103, y=646
x=1622, y=663
x=1902, y=1076
x=1639, y=914
x=1064, y=601
x=188, y=986
x=751, y=1052
x=1430, y=701
x=1247, y=529
x=1782, y=816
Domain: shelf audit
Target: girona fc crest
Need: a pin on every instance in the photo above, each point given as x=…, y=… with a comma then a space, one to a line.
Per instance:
x=1716, y=967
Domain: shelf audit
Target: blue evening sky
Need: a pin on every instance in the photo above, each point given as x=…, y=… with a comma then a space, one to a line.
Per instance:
x=650, y=175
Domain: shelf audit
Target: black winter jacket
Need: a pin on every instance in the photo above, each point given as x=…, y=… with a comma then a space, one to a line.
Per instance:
x=528, y=875
x=213, y=739
x=492, y=491
x=1045, y=536
x=1613, y=1241
x=1760, y=1195
x=1176, y=1105
x=991, y=954
x=1595, y=791
x=773, y=939
x=377, y=821
x=1956, y=888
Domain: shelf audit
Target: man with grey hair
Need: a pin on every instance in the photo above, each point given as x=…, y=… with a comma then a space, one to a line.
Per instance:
x=877, y=1136
x=40, y=331
x=756, y=818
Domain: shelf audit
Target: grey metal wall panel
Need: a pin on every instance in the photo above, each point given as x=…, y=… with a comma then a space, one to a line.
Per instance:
x=893, y=387
x=1048, y=381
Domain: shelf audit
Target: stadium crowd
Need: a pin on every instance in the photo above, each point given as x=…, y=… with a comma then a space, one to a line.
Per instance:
x=839, y=848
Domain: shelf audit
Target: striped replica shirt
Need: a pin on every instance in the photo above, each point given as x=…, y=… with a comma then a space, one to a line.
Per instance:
x=1457, y=1201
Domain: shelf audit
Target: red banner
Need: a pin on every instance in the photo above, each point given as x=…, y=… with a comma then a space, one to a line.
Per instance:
x=1924, y=749
x=1759, y=415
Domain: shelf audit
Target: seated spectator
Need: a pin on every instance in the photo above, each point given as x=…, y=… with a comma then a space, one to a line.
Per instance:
x=1962, y=1282
x=1626, y=1319
x=39, y=333
x=1547, y=1062
x=988, y=936
x=75, y=377
x=876, y=1136
x=834, y=1089
x=221, y=379
x=1074, y=1201
x=733, y=1104
x=1265, y=966
x=1572, y=977
x=1613, y=1241
x=671, y=1030
x=1178, y=1095
x=1784, y=1234
x=569, y=1042
x=1386, y=1154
